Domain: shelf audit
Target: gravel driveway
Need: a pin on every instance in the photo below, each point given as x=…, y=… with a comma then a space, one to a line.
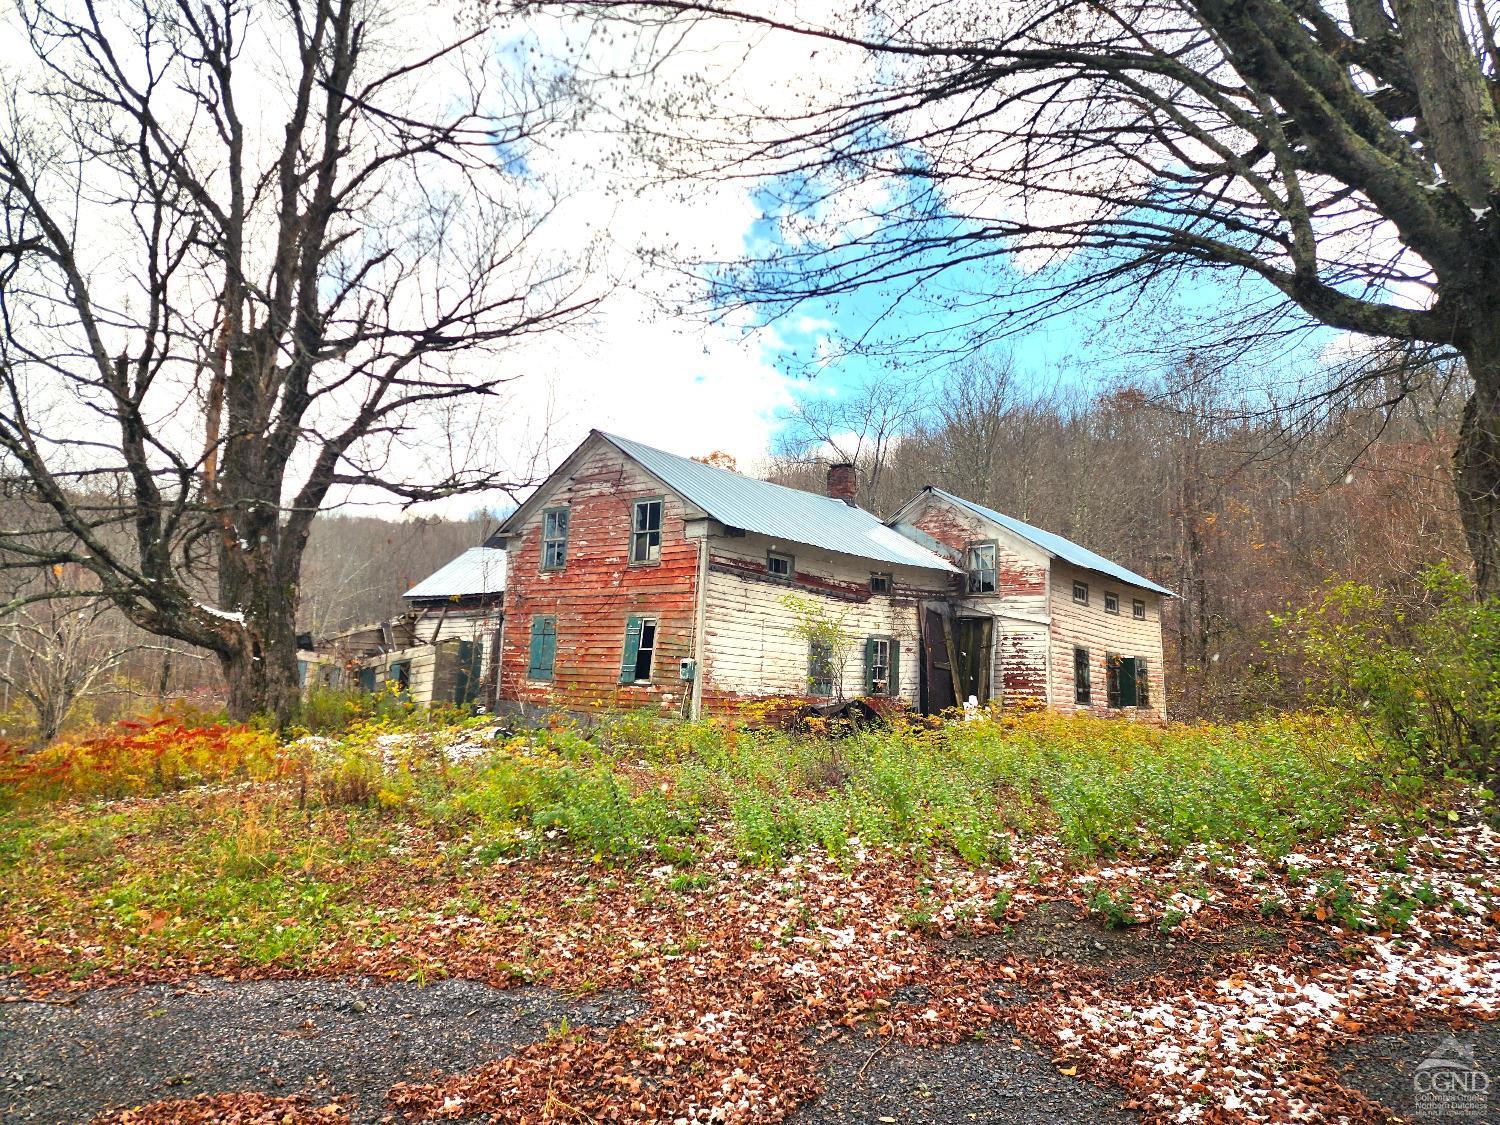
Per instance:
x=65, y=1062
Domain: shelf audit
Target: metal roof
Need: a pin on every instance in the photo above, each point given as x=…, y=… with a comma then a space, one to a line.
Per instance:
x=479, y=570
x=1055, y=545
x=781, y=512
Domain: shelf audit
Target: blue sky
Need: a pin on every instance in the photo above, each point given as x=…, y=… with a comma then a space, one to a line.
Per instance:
x=1117, y=339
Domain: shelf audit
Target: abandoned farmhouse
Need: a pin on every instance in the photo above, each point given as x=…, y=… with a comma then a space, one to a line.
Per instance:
x=638, y=579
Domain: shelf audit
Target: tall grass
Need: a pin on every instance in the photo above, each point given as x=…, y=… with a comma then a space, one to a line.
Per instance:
x=1103, y=787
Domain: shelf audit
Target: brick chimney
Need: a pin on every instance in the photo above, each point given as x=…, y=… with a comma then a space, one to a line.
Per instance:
x=841, y=482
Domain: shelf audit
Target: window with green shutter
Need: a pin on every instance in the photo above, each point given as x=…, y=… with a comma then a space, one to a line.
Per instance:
x=1142, y=683
x=543, y=648
x=882, y=666
x=640, y=650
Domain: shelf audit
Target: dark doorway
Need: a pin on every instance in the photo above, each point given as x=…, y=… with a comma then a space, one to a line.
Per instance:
x=973, y=638
x=937, y=670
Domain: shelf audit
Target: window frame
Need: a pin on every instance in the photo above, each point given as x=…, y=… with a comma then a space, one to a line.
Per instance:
x=1111, y=597
x=993, y=569
x=547, y=541
x=819, y=649
x=1138, y=609
x=1083, y=677
x=791, y=566
x=892, y=665
x=650, y=650
x=636, y=533
x=1079, y=584
x=399, y=672
x=880, y=576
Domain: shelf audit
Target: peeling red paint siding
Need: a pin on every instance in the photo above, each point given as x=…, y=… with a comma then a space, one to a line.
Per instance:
x=1023, y=667
x=597, y=590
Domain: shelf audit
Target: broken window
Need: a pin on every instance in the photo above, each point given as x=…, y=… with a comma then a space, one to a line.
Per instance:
x=543, y=648
x=1081, y=593
x=882, y=676
x=1082, y=692
x=645, y=531
x=1138, y=609
x=554, y=538
x=779, y=565
x=399, y=674
x=982, y=569
x=820, y=667
x=880, y=583
x=1111, y=602
x=640, y=650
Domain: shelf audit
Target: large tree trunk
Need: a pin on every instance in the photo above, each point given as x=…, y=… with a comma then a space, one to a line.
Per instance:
x=262, y=677
x=1477, y=470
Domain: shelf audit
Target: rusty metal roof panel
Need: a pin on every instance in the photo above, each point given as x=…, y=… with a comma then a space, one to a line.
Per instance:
x=478, y=571
x=781, y=512
x=1055, y=545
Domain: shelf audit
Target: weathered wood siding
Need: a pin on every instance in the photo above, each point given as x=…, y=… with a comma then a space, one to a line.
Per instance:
x=428, y=668
x=1102, y=633
x=477, y=624
x=598, y=589
x=752, y=646
x=1019, y=605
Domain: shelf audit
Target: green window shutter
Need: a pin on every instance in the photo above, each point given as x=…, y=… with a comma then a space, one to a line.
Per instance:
x=1127, y=681
x=870, y=665
x=534, y=667
x=543, y=648
x=632, y=650
x=895, y=672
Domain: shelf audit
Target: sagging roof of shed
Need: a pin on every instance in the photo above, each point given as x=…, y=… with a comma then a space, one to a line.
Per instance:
x=782, y=513
x=478, y=572
x=1055, y=545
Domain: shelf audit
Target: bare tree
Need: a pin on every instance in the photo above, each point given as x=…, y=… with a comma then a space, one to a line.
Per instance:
x=859, y=425
x=1344, y=157
x=60, y=652
x=254, y=254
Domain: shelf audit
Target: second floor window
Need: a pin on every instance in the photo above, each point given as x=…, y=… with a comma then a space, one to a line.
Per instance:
x=779, y=565
x=1081, y=593
x=982, y=568
x=645, y=532
x=1138, y=609
x=1111, y=602
x=554, y=538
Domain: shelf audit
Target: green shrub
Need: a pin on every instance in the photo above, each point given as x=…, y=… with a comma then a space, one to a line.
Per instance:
x=1424, y=668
